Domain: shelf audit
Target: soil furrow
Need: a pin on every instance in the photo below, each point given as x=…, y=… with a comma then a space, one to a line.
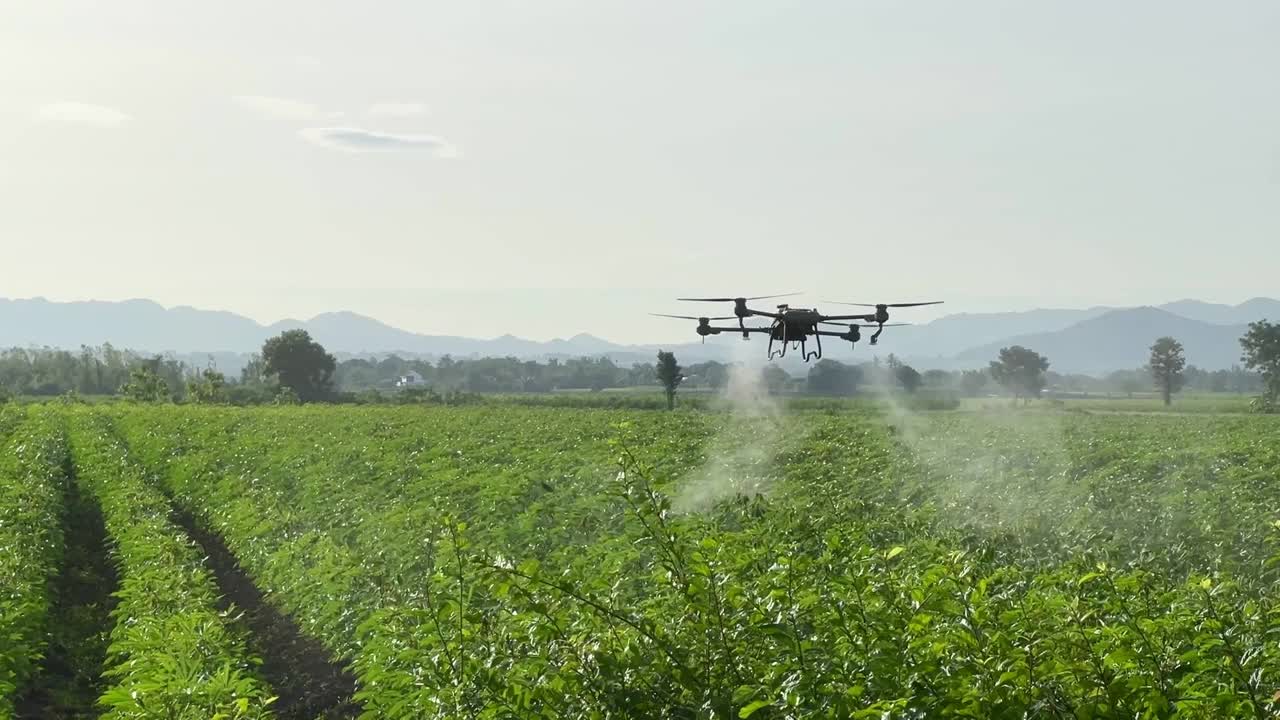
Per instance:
x=70, y=678
x=309, y=684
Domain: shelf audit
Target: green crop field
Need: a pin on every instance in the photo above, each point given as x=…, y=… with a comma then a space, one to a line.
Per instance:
x=509, y=560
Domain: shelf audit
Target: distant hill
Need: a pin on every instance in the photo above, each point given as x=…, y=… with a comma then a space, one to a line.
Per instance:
x=1120, y=339
x=135, y=324
x=953, y=334
x=1242, y=314
x=147, y=326
x=1092, y=340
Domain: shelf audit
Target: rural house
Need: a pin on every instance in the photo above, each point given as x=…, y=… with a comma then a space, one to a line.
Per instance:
x=409, y=379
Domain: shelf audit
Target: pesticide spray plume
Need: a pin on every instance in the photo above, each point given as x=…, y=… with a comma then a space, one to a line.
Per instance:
x=999, y=469
x=740, y=455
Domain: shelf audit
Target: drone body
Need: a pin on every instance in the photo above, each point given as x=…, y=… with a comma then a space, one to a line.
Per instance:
x=795, y=326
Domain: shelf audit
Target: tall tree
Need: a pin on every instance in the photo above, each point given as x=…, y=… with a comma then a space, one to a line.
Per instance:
x=1262, y=353
x=938, y=378
x=145, y=385
x=775, y=379
x=831, y=377
x=668, y=373
x=209, y=387
x=300, y=363
x=1021, y=370
x=252, y=373
x=1166, y=365
x=908, y=377
x=972, y=382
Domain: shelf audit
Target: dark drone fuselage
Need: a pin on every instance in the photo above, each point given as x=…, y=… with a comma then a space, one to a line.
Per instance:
x=795, y=323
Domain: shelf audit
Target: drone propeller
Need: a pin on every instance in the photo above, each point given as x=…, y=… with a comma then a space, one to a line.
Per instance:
x=866, y=325
x=914, y=304
x=690, y=317
x=729, y=299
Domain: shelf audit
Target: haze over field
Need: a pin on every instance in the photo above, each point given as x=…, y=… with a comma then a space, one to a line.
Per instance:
x=545, y=169
x=1093, y=340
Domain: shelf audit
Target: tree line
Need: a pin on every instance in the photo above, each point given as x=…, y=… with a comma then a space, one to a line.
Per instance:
x=101, y=370
x=1025, y=372
x=292, y=367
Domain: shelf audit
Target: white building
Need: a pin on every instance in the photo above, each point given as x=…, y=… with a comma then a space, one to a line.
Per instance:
x=409, y=379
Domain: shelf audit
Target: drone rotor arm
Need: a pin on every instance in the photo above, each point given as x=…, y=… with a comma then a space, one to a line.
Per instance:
x=865, y=318
x=764, y=313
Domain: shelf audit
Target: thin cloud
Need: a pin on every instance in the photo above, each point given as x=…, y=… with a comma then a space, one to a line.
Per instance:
x=75, y=113
x=358, y=140
x=281, y=107
x=397, y=109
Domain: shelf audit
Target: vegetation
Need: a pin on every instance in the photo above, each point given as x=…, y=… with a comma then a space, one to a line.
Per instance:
x=909, y=378
x=209, y=387
x=669, y=375
x=172, y=654
x=1020, y=370
x=31, y=543
x=775, y=379
x=1167, y=364
x=46, y=372
x=482, y=561
x=300, y=364
x=830, y=377
x=95, y=373
x=1262, y=352
x=145, y=385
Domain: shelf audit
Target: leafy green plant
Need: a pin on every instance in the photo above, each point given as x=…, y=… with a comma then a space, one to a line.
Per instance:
x=145, y=385
x=504, y=560
x=172, y=653
x=31, y=544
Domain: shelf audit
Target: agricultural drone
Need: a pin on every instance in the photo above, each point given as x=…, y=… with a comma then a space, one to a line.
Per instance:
x=795, y=326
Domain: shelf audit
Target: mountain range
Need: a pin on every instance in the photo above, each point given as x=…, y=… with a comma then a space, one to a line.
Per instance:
x=1091, y=340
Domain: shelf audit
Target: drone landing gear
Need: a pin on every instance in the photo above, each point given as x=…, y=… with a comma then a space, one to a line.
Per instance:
x=775, y=354
x=779, y=328
x=800, y=344
x=876, y=335
x=817, y=339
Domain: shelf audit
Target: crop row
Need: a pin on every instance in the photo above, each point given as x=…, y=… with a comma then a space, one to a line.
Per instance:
x=32, y=479
x=838, y=597
x=281, y=504
x=172, y=654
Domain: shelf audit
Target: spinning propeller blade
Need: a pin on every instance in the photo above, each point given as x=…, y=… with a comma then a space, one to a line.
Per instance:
x=729, y=299
x=867, y=325
x=913, y=304
x=690, y=317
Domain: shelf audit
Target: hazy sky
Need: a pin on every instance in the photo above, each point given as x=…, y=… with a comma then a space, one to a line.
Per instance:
x=572, y=165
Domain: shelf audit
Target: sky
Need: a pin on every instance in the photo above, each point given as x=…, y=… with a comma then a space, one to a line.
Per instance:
x=562, y=166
